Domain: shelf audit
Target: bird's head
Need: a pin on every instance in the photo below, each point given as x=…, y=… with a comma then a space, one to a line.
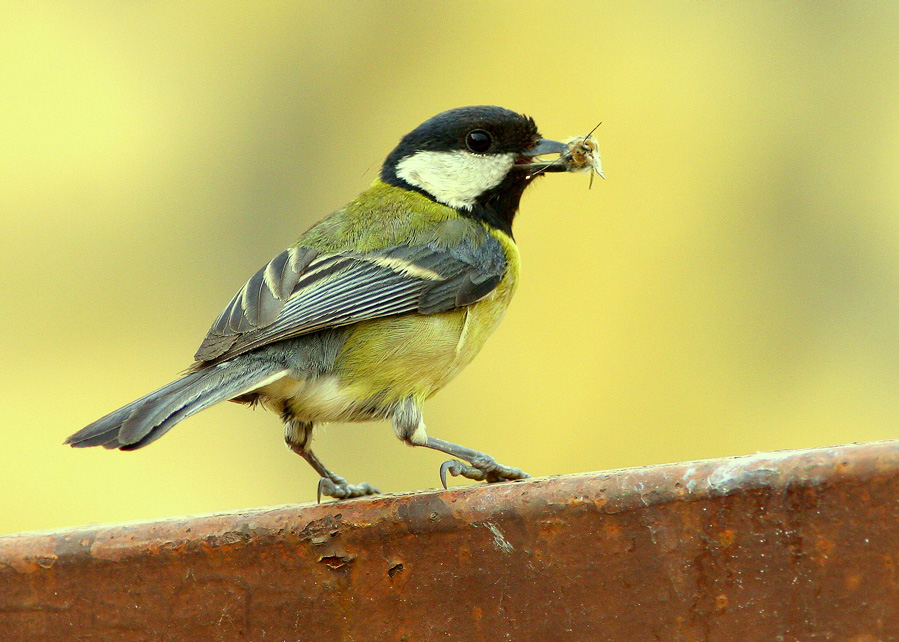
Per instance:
x=477, y=160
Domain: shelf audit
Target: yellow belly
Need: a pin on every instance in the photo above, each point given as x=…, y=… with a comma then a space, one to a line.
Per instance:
x=415, y=356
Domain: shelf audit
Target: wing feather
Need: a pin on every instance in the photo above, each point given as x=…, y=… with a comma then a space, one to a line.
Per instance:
x=302, y=291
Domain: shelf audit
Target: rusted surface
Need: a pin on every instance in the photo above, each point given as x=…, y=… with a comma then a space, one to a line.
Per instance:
x=801, y=545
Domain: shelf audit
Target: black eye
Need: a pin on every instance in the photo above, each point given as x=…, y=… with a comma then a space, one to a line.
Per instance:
x=478, y=141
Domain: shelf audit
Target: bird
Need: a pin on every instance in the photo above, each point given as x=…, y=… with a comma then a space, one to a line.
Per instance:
x=376, y=307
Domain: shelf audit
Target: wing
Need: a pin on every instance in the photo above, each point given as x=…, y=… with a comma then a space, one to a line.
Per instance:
x=302, y=291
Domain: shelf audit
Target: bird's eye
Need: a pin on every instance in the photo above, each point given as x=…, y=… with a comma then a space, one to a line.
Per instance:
x=478, y=141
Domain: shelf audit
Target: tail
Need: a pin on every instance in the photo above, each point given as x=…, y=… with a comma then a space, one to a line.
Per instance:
x=144, y=421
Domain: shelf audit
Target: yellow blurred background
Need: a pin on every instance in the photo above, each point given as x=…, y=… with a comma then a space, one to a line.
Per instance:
x=733, y=286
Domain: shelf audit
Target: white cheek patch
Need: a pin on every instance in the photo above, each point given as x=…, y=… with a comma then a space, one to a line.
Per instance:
x=455, y=178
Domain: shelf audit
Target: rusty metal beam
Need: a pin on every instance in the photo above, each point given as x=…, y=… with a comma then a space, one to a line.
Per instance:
x=801, y=545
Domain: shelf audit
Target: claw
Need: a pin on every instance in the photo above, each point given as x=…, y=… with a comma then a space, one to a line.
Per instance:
x=338, y=488
x=453, y=466
x=481, y=468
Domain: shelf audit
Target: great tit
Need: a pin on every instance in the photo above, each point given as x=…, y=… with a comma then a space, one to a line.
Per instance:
x=376, y=307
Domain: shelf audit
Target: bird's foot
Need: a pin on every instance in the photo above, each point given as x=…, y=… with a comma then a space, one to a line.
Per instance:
x=337, y=487
x=331, y=484
x=480, y=468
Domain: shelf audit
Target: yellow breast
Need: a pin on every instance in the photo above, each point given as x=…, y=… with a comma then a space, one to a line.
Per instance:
x=387, y=360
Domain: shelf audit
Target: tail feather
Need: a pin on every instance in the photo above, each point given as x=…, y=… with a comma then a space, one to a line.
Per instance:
x=105, y=431
x=147, y=419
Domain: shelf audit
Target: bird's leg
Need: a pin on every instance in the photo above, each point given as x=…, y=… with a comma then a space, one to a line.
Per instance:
x=298, y=435
x=410, y=427
x=480, y=466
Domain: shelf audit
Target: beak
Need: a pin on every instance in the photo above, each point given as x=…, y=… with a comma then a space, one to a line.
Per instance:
x=543, y=146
